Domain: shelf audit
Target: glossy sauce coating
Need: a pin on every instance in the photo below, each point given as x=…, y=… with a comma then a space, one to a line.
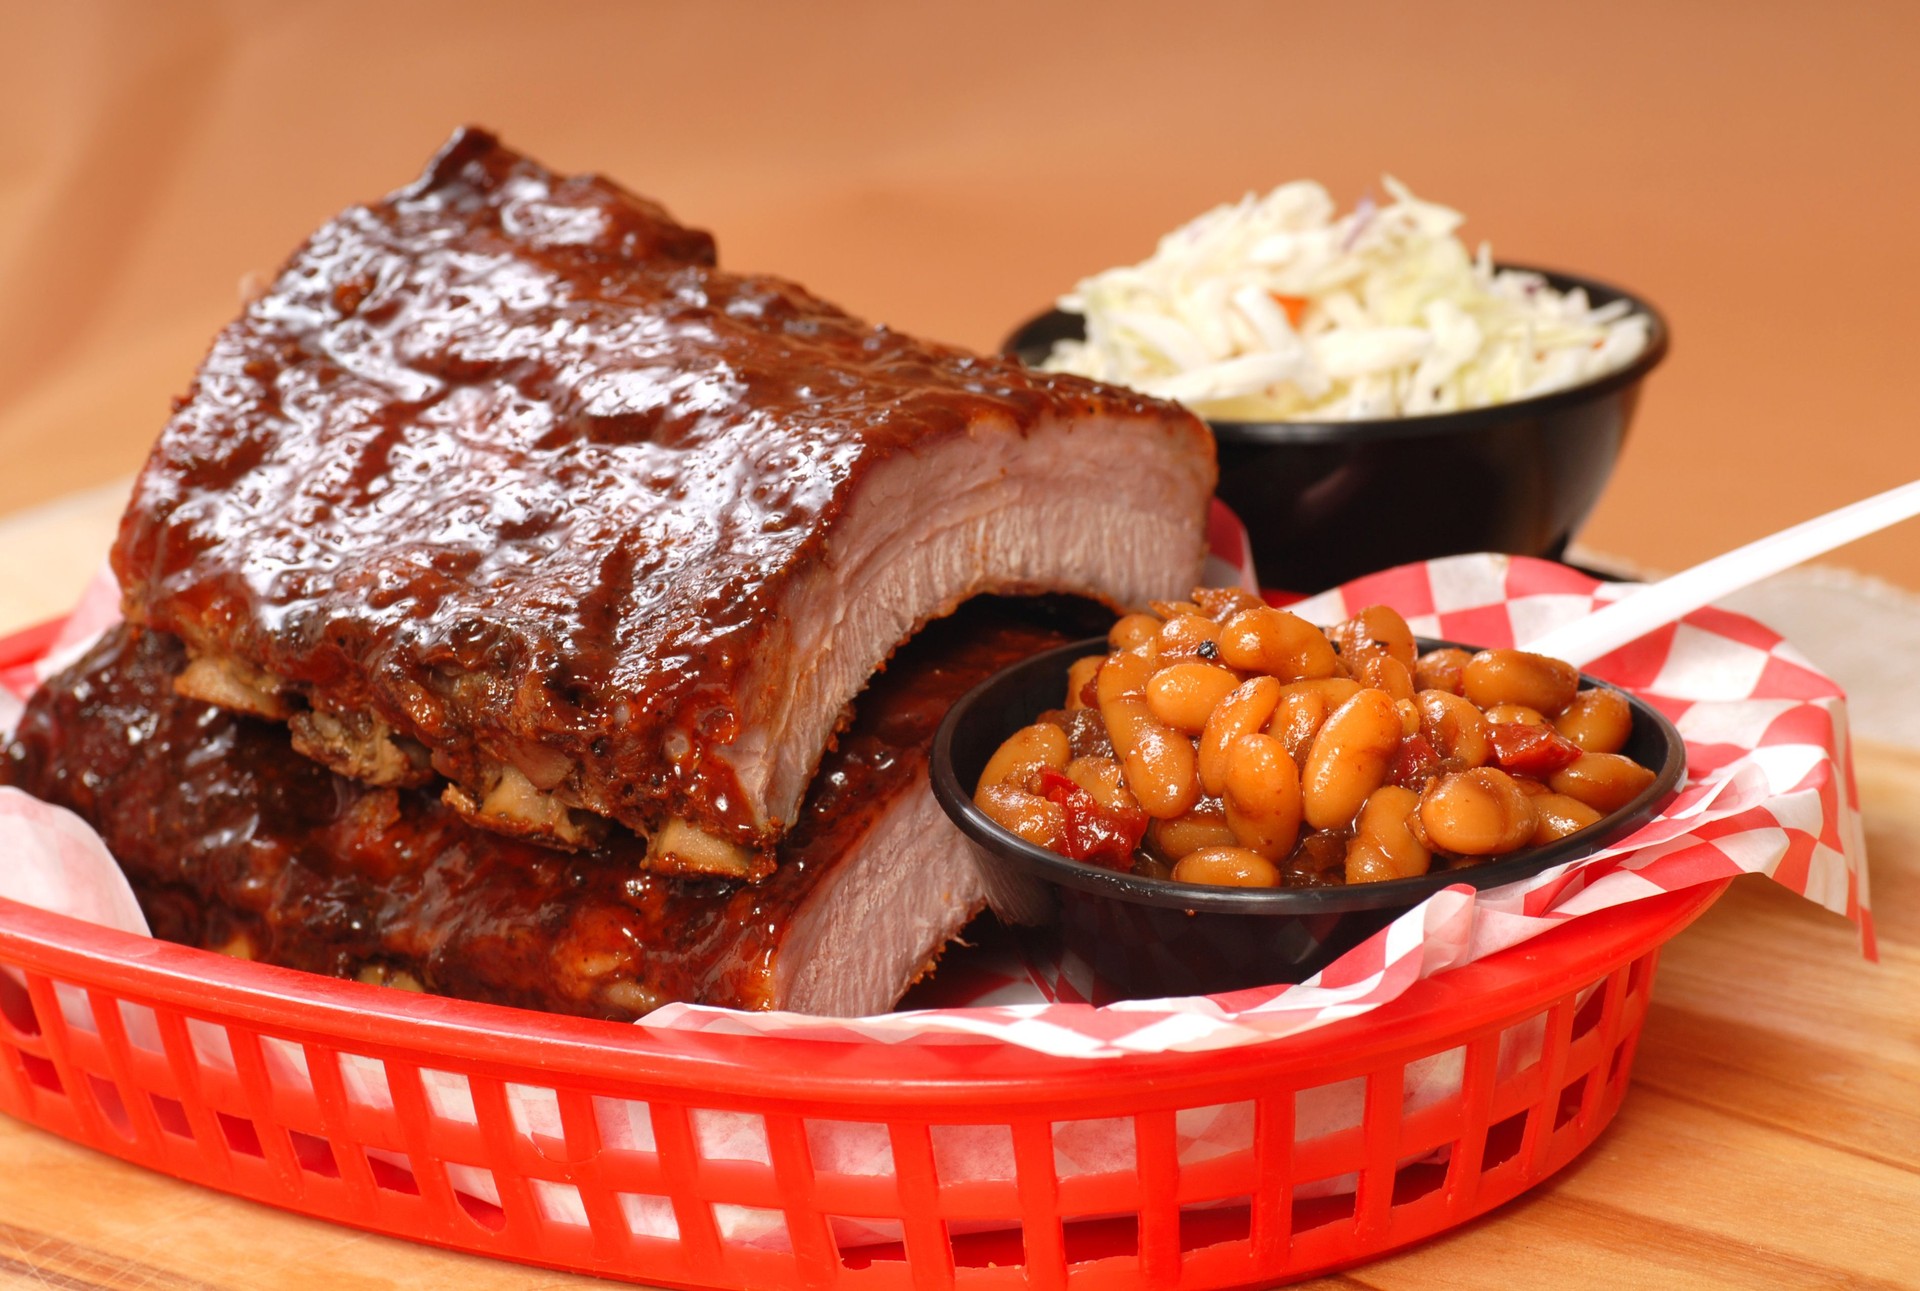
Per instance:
x=505, y=462
x=232, y=841
x=1306, y=756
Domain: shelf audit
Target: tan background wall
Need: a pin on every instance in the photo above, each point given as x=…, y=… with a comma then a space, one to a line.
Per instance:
x=1750, y=167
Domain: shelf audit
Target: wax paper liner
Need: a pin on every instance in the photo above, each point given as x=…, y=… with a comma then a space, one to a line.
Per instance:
x=1770, y=791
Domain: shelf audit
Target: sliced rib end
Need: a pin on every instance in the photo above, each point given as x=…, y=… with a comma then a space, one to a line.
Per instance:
x=880, y=918
x=1113, y=510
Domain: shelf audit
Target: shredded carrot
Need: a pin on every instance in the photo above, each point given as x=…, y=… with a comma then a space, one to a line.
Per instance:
x=1296, y=307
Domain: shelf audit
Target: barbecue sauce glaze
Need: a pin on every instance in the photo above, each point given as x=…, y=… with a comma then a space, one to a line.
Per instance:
x=234, y=842
x=505, y=462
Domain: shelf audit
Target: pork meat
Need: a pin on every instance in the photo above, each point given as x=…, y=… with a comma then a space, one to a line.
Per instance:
x=504, y=481
x=234, y=842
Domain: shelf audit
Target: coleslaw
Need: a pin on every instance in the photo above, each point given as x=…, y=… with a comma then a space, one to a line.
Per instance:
x=1271, y=308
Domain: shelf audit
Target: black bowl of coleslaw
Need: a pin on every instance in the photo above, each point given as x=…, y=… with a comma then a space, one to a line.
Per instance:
x=1327, y=501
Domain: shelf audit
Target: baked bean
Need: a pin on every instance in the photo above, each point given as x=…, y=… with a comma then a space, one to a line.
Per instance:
x=1409, y=717
x=1032, y=817
x=1350, y=758
x=1243, y=712
x=1222, y=603
x=1204, y=826
x=1440, y=669
x=1383, y=844
x=1378, y=629
x=1133, y=632
x=1024, y=752
x=1303, y=709
x=1123, y=676
x=1598, y=720
x=1606, y=782
x=1559, y=816
x=1519, y=677
x=1480, y=812
x=1262, y=796
x=1159, y=762
x=1160, y=769
x=1104, y=782
x=1187, y=637
x=1184, y=695
x=1455, y=728
x=1227, y=867
x=1259, y=747
x=1383, y=672
x=1296, y=719
x=1080, y=678
x=1277, y=643
x=1334, y=690
x=1364, y=862
x=1418, y=829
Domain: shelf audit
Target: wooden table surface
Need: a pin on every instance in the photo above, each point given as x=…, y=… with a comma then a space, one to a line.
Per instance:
x=948, y=171
x=1755, y=1150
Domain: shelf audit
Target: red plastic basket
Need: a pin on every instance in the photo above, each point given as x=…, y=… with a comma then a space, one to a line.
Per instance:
x=179, y=1061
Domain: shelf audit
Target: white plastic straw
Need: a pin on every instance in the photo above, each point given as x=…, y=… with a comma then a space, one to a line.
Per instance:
x=1658, y=604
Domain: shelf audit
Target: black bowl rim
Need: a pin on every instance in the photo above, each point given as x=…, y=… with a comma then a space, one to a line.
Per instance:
x=1051, y=867
x=1440, y=423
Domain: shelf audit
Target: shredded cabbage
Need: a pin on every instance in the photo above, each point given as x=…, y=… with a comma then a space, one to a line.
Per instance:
x=1272, y=309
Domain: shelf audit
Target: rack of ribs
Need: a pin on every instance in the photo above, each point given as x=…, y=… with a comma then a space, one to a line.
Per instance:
x=503, y=481
x=233, y=841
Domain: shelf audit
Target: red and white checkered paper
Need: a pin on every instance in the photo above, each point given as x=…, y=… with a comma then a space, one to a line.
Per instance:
x=1770, y=791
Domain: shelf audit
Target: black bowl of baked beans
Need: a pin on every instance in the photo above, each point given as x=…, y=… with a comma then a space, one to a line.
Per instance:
x=1327, y=501
x=1220, y=795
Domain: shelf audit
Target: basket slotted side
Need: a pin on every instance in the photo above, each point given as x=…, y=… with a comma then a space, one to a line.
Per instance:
x=144, y=1080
